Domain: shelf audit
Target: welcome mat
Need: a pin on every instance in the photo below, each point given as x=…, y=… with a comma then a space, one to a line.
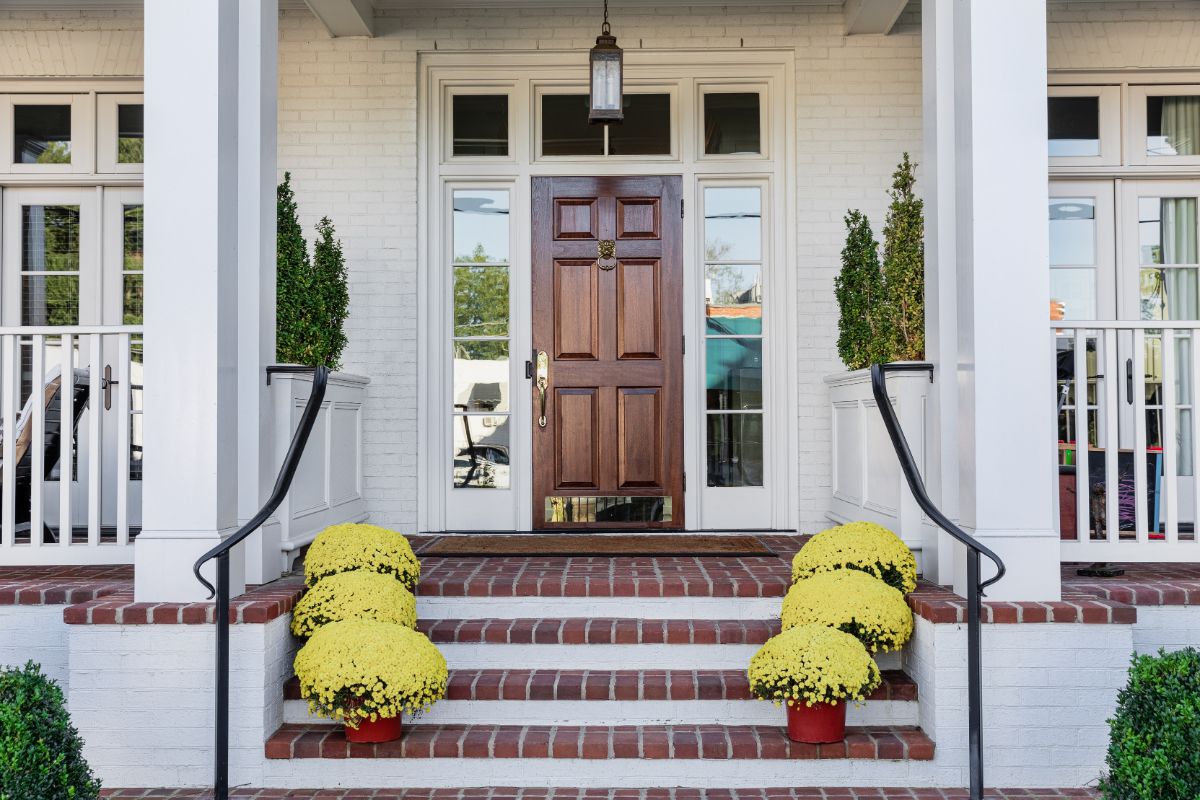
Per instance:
x=583, y=544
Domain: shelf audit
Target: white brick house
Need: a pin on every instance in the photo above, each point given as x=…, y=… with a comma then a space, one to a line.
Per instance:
x=415, y=125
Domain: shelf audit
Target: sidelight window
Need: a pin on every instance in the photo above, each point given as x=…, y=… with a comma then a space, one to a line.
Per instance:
x=733, y=327
x=480, y=339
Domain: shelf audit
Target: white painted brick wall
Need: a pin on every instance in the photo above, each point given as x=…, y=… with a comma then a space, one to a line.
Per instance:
x=1172, y=627
x=34, y=633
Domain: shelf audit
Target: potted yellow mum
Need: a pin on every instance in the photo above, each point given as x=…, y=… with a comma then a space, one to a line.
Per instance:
x=853, y=602
x=367, y=673
x=358, y=546
x=815, y=671
x=357, y=594
x=863, y=546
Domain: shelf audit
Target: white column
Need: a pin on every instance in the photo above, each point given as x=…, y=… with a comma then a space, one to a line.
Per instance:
x=257, y=90
x=937, y=182
x=1005, y=370
x=191, y=189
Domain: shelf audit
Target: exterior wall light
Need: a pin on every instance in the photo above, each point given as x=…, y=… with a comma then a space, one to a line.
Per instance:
x=606, y=62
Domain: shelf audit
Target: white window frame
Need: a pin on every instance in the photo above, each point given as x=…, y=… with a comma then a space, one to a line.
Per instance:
x=484, y=88
x=763, y=90
x=646, y=70
x=1136, y=123
x=107, y=134
x=1109, y=125
x=83, y=157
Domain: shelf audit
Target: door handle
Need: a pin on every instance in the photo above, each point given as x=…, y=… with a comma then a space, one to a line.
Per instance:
x=543, y=380
x=1129, y=381
x=108, y=384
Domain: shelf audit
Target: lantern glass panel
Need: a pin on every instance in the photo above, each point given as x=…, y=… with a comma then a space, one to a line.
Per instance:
x=606, y=81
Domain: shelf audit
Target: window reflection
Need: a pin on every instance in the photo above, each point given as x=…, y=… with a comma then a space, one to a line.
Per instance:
x=480, y=301
x=731, y=123
x=481, y=452
x=130, y=133
x=734, y=374
x=735, y=450
x=732, y=224
x=1173, y=126
x=480, y=124
x=1074, y=126
x=50, y=265
x=733, y=299
x=42, y=134
x=565, y=128
x=481, y=376
x=480, y=227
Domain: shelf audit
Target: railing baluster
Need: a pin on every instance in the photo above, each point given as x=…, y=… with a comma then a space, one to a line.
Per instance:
x=1082, y=484
x=96, y=405
x=124, y=389
x=11, y=356
x=1139, y=435
x=66, y=438
x=1167, y=498
x=1112, y=435
x=37, y=399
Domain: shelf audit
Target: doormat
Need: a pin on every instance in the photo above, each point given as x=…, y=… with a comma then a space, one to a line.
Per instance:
x=582, y=544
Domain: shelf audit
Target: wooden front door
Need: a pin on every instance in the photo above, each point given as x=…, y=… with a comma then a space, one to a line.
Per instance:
x=608, y=353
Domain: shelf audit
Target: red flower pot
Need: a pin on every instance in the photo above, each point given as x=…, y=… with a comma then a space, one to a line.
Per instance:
x=383, y=729
x=817, y=724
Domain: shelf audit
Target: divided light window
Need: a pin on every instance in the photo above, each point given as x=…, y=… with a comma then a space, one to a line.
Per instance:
x=480, y=339
x=733, y=327
x=646, y=131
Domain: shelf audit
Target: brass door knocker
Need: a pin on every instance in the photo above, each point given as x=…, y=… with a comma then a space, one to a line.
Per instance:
x=606, y=254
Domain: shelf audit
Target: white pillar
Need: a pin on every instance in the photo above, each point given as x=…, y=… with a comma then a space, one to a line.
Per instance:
x=937, y=182
x=190, y=489
x=1005, y=369
x=257, y=90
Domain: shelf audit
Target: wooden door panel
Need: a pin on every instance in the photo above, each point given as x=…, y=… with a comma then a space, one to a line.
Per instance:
x=639, y=436
x=638, y=319
x=613, y=334
x=577, y=317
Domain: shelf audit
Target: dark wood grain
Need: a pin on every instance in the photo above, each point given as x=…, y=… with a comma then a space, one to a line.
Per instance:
x=615, y=342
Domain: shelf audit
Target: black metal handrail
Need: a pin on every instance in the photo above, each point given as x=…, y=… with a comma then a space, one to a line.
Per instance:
x=975, y=585
x=221, y=553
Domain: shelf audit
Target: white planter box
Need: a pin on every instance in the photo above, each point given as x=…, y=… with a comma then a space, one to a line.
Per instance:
x=867, y=482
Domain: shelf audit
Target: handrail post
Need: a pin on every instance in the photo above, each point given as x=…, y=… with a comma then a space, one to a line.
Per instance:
x=974, y=675
x=221, y=763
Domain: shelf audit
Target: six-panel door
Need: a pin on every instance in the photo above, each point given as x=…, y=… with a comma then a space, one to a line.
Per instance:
x=607, y=307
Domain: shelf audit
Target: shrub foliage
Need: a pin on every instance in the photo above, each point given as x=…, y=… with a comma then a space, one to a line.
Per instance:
x=40, y=751
x=1154, y=747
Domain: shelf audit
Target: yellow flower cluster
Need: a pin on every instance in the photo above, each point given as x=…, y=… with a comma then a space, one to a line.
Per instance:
x=812, y=664
x=859, y=545
x=342, y=548
x=357, y=594
x=853, y=602
x=364, y=669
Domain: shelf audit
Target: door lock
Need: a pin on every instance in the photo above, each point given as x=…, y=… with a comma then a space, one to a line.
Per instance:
x=543, y=381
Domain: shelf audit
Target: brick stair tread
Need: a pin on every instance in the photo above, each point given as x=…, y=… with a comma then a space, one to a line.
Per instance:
x=679, y=742
x=565, y=685
x=598, y=630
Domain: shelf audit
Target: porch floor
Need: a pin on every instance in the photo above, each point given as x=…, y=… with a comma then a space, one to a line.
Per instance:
x=801, y=793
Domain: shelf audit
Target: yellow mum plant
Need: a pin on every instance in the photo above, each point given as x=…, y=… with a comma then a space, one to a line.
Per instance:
x=342, y=548
x=859, y=545
x=853, y=602
x=357, y=594
x=812, y=664
x=364, y=669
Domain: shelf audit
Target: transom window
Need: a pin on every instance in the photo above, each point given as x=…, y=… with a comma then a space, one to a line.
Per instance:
x=646, y=131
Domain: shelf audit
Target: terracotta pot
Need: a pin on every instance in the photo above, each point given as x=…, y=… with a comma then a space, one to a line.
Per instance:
x=383, y=729
x=817, y=724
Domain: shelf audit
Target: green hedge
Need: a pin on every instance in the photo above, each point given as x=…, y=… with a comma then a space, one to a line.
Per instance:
x=1154, y=750
x=40, y=751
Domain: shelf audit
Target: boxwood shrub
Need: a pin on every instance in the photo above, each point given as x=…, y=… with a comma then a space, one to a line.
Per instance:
x=39, y=748
x=1154, y=750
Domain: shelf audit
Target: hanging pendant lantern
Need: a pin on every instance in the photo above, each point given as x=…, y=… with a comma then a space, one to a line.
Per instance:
x=606, y=63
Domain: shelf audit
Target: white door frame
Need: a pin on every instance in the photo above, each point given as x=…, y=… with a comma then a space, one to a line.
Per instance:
x=522, y=75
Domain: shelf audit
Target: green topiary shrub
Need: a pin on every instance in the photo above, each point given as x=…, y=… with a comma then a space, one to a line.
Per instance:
x=862, y=336
x=1154, y=747
x=40, y=751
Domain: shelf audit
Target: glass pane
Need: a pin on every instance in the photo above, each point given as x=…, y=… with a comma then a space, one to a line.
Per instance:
x=136, y=369
x=646, y=130
x=481, y=452
x=481, y=376
x=608, y=508
x=133, y=229
x=480, y=301
x=1173, y=126
x=1072, y=231
x=731, y=123
x=49, y=238
x=481, y=125
x=132, y=303
x=136, y=437
x=1167, y=230
x=735, y=450
x=1074, y=126
x=734, y=374
x=732, y=224
x=1169, y=294
x=130, y=135
x=50, y=300
x=1075, y=290
x=480, y=226
x=733, y=299
x=565, y=127
x=42, y=134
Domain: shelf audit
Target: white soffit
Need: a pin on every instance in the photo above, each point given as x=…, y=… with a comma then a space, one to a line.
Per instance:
x=345, y=17
x=872, y=16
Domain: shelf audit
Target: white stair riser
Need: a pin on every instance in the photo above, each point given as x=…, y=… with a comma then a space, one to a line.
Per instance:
x=474, y=655
x=626, y=712
x=599, y=607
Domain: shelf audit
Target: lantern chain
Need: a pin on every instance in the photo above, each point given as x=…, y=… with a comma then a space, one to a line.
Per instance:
x=606, y=29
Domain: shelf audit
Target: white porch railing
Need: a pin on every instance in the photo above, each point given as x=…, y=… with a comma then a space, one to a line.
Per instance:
x=70, y=460
x=1129, y=440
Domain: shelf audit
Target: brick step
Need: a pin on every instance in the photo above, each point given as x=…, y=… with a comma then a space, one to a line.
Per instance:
x=731, y=743
x=628, y=697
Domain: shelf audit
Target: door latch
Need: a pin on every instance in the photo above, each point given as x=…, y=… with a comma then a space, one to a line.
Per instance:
x=108, y=383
